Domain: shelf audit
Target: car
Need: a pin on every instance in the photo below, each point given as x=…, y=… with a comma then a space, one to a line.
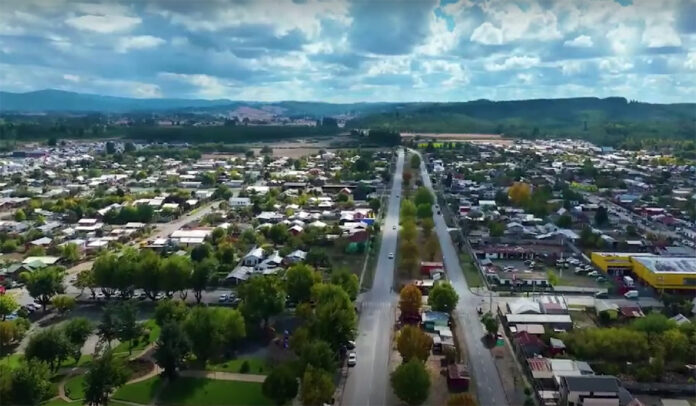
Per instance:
x=352, y=359
x=393, y=227
x=223, y=298
x=350, y=345
x=397, y=196
x=391, y=255
x=631, y=294
x=593, y=273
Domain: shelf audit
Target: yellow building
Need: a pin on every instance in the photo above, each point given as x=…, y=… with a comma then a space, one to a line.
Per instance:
x=660, y=272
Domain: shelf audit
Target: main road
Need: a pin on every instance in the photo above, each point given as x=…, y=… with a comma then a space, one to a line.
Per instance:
x=489, y=387
x=368, y=382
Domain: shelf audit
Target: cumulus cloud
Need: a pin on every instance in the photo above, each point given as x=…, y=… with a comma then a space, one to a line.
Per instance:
x=581, y=41
x=126, y=44
x=345, y=50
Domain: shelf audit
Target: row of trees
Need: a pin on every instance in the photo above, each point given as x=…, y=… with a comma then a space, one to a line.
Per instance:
x=411, y=210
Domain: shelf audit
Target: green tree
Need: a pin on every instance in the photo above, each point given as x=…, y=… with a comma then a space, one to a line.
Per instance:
x=424, y=211
x=496, y=229
x=427, y=225
x=408, y=209
x=601, y=217
x=412, y=342
x=170, y=311
x=30, y=384
x=318, y=354
x=149, y=276
x=423, y=196
x=280, y=385
x=200, y=278
x=415, y=161
x=490, y=322
x=128, y=328
x=552, y=277
x=108, y=327
x=49, y=346
x=44, y=283
x=171, y=349
x=443, y=297
x=11, y=333
x=335, y=315
x=411, y=382
x=262, y=297
x=201, y=252
x=77, y=330
x=105, y=374
x=278, y=233
x=63, y=303
x=564, y=221
x=210, y=329
x=299, y=280
x=8, y=304
x=19, y=215
x=85, y=280
x=317, y=387
x=70, y=253
x=176, y=273
x=347, y=280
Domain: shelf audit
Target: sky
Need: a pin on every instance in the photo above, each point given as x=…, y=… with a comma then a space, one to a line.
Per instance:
x=349, y=51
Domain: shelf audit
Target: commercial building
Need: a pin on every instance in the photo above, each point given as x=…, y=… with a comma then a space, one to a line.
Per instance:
x=659, y=272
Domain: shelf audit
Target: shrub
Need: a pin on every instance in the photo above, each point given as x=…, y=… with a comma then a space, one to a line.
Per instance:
x=244, y=368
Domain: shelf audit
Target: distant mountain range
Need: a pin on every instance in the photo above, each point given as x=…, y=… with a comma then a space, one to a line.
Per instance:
x=57, y=101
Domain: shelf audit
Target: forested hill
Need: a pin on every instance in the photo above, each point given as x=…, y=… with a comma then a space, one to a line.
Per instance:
x=605, y=121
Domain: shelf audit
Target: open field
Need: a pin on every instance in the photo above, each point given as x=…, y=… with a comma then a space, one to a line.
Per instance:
x=203, y=392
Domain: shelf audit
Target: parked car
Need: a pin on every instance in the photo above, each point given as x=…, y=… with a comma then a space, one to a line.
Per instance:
x=352, y=359
x=593, y=274
x=602, y=294
x=223, y=298
x=631, y=294
x=350, y=345
x=391, y=255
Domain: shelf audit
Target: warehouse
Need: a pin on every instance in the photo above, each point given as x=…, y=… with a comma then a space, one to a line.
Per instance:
x=659, y=272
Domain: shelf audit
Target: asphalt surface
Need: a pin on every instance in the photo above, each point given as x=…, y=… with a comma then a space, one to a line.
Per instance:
x=368, y=382
x=489, y=387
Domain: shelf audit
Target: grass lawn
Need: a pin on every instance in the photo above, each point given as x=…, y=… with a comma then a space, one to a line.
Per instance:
x=339, y=259
x=59, y=402
x=85, y=360
x=12, y=360
x=139, y=392
x=204, y=392
x=257, y=366
x=74, y=387
x=154, y=335
x=471, y=274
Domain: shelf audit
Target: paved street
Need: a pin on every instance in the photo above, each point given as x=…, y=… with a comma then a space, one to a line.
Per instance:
x=489, y=387
x=368, y=382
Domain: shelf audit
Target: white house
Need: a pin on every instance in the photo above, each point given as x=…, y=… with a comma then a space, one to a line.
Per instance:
x=253, y=257
x=240, y=202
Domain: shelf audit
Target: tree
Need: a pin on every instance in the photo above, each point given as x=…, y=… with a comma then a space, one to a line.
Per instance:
x=70, y=253
x=19, y=215
x=347, y=280
x=278, y=233
x=409, y=230
x=408, y=209
x=519, y=192
x=552, y=277
x=427, y=225
x=262, y=297
x=12, y=332
x=317, y=387
x=30, y=384
x=77, y=330
x=148, y=273
x=105, y=270
x=280, y=385
x=128, y=328
x=170, y=311
x=299, y=280
x=461, y=399
x=411, y=382
x=361, y=165
x=413, y=342
x=601, y=217
x=415, y=161
x=49, y=346
x=85, y=280
x=209, y=329
x=44, y=283
x=654, y=324
x=490, y=322
x=63, y=303
x=202, y=272
x=317, y=257
x=319, y=354
x=407, y=176
x=171, y=349
x=176, y=273
x=104, y=376
x=107, y=330
x=423, y=196
x=424, y=211
x=335, y=315
x=432, y=246
x=8, y=304
x=410, y=300
x=375, y=204
x=564, y=221
x=442, y=297
x=496, y=229
x=110, y=148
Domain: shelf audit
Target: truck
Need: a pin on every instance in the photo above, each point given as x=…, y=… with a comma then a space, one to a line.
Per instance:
x=628, y=281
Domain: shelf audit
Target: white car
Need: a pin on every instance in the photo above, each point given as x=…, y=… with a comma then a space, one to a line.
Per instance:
x=352, y=359
x=223, y=298
x=393, y=227
x=391, y=255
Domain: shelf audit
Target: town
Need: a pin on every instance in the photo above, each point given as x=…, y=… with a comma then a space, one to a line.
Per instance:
x=443, y=271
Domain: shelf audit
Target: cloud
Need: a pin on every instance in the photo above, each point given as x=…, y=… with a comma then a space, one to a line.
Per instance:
x=487, y=34
x=657, y=36
x=126, y=44
x=103, y=24
x=513, y=62
x=690, y=62
x=581, y=41
x=623, y=38
x=71, y=78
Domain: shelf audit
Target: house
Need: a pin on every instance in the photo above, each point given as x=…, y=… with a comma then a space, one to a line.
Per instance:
x=589, y=390
x=37, y=261
x=528, y=345
x=427, y=267
x=295, y=230
x=253, y=257
x=273, y=261
x=524, y=306
x=194, y=236
x=237, y=202
x=296, y=256
x=41, y=242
